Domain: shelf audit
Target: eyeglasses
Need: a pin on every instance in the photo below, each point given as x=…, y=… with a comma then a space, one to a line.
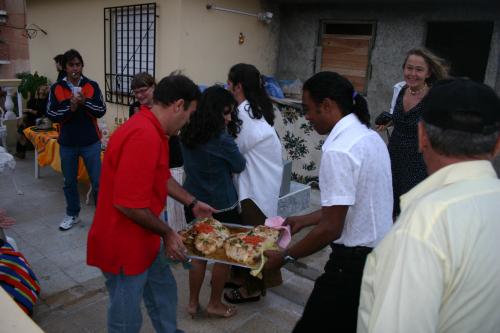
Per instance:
x=140, y=91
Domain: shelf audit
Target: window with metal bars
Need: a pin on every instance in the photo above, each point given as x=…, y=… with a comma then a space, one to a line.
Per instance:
x=129, y=48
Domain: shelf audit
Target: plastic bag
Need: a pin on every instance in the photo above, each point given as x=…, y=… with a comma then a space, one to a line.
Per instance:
x=272, y=87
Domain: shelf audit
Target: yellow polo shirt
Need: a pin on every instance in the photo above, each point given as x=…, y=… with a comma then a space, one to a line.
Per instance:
x=438, y=270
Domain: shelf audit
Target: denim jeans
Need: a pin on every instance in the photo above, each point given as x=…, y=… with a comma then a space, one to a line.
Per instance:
x=158, y=288
x=91, y=155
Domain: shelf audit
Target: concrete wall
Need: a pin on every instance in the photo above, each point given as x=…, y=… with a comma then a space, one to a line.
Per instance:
x=398, y=29
x=208, y=40
x=202, y=43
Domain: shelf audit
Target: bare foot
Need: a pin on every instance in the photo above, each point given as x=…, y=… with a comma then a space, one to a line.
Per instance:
x=221, y=310
x=193, y=310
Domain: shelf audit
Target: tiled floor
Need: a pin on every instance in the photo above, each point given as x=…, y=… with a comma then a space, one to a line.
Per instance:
x=58, y=258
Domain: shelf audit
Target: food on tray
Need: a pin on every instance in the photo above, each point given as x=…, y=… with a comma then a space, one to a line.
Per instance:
x=243, y=248
x=242, y=245
x=247, y=247
x=208, y=235
x=208, y=243
x=271, y=235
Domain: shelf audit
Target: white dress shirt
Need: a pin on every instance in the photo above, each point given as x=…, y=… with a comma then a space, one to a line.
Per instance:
x=261, y=147
x=396, y=90
x=355, y=171
x=438, y=270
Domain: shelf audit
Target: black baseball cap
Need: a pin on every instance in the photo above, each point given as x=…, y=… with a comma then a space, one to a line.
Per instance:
x=462, y=105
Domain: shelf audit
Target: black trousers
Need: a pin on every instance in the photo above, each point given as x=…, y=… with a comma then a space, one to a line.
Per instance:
x=333, y=304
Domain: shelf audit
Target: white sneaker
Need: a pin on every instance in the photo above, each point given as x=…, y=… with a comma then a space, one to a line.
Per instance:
x=68, y=222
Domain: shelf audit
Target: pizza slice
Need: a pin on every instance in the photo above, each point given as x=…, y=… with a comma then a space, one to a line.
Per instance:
x=208, y=243
x=270, y=235
x=209, y=235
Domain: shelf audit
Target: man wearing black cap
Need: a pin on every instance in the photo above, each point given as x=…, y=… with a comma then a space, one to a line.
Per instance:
x=437, y=270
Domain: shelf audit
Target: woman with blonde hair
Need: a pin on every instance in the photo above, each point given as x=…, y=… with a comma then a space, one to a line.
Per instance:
x=421, y=68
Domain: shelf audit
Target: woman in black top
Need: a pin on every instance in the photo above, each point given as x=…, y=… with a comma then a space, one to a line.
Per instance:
x=35, y=108
x=421, y=69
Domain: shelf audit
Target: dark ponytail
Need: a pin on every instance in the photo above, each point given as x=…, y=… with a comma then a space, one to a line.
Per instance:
x=360, y=109
x=336, y=87
x=254, y=91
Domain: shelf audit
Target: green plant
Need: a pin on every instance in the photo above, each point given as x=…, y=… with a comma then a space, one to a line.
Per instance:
x=30, y=83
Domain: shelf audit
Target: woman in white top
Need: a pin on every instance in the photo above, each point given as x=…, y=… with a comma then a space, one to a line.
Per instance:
x=259, y=184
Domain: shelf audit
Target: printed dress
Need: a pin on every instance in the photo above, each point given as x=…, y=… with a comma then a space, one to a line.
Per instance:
x=408, y=167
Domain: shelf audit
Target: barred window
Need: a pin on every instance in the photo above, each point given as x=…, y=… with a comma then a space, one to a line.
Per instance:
x=129, y=48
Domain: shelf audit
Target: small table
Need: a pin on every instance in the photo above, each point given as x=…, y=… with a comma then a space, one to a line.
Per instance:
x=47, y=152
x=45, y=143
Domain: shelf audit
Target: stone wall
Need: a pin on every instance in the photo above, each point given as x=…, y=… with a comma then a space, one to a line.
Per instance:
x=398, y=29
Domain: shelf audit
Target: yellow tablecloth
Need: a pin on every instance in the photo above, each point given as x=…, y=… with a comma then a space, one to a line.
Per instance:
x=46, y=145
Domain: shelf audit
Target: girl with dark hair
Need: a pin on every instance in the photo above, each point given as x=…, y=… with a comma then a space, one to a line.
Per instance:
x=259, y=184
x=252, y=85
x=211, y=157
x=421, y=68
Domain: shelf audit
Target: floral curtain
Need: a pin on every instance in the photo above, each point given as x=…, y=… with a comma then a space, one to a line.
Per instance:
x=301, y=143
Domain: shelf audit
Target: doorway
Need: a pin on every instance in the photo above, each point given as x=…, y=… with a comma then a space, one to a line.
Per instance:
x=464, y=45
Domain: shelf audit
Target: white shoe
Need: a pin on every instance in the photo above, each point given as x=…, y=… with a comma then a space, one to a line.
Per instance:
x=68, y=222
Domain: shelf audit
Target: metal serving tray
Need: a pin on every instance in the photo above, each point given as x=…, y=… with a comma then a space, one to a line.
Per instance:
x=221, y=256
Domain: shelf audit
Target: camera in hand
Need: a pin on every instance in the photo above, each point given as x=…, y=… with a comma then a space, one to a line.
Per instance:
x=383, y=119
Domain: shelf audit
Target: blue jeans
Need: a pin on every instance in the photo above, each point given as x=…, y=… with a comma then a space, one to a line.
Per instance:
x=158, y=288
x=91, y=155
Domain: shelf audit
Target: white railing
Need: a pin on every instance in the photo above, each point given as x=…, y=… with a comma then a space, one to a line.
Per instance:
x=9, y=86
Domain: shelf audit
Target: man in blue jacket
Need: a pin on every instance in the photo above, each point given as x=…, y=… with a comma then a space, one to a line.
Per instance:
x=76, y=102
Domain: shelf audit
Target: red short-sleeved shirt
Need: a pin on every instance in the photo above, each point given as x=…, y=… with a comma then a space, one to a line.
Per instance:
x=134, y=175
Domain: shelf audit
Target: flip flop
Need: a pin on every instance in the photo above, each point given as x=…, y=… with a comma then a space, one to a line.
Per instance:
x=235, y=297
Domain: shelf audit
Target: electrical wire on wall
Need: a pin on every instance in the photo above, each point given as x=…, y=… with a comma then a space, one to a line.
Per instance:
x=30, y=31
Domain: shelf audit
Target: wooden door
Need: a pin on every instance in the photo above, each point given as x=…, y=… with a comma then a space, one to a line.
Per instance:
x=347, y=55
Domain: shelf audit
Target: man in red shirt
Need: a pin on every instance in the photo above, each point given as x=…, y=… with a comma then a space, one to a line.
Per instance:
x=125, y=238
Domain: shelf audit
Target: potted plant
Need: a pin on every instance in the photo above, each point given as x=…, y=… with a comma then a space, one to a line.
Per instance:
x=30, y=83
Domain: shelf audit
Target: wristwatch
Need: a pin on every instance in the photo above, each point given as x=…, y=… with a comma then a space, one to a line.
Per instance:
x=192, y=204
x=288, y=259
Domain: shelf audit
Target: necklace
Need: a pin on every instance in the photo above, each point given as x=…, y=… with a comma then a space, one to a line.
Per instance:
x=418, y=91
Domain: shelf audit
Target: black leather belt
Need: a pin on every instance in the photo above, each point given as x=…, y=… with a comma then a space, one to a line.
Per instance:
x=339, y=249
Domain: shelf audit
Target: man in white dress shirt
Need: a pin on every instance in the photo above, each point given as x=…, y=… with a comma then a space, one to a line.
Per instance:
x=438, y=270
x=356, y=203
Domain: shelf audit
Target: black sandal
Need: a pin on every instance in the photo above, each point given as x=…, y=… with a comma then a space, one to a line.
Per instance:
x=232, y=285
x=235, y=297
